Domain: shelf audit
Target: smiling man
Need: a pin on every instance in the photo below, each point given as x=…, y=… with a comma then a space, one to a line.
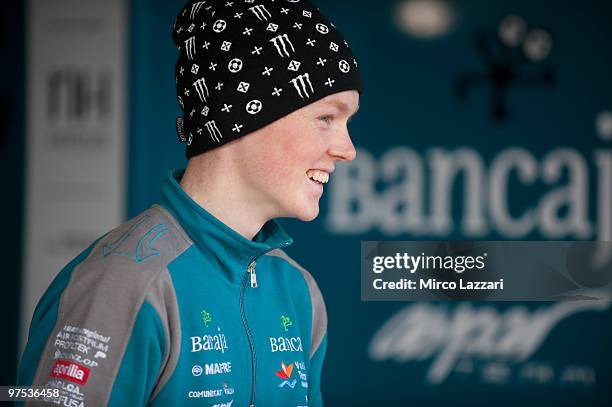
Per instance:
x=194, y=301
x=278, y=170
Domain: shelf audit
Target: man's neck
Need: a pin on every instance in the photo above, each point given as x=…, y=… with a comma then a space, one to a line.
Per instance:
x=222, y=195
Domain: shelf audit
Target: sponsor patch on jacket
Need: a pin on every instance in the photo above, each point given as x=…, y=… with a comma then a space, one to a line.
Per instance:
x=65, y=369
x=284, y=344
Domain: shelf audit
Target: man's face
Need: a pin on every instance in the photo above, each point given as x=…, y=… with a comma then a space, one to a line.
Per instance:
x=280, y=159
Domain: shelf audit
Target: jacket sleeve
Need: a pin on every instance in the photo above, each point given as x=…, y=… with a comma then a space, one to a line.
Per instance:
x=316, y=365
x=318, y=342
x=95, y=335
x=144, y=354
x=82, y=363
x=101, y=332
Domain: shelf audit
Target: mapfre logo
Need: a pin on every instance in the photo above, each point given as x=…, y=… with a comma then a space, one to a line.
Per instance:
x=64, y=369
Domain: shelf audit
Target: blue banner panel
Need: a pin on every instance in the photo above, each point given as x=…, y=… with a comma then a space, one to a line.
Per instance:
x=479, y=120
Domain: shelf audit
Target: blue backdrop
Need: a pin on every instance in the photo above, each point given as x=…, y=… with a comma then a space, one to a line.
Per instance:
x=501, y=130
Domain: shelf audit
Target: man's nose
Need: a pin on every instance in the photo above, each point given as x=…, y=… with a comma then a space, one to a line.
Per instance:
x=342, y=147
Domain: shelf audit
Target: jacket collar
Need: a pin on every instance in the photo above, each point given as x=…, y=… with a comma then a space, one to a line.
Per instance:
x=232, y=251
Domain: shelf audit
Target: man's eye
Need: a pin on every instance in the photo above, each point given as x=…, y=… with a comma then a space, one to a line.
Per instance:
x=327, y=118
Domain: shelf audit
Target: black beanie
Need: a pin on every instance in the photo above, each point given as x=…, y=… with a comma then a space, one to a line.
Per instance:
x=246, y=63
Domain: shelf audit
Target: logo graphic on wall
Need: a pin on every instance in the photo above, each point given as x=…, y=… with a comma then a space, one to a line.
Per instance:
x=285, y=374
x=515, y=57
x=560, y=211
x=479, y=340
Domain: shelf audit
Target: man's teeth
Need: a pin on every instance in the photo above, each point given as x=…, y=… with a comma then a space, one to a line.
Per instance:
x=318, y=175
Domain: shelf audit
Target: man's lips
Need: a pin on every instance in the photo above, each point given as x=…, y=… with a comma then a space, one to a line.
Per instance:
x=315, y=184
x=318, y=175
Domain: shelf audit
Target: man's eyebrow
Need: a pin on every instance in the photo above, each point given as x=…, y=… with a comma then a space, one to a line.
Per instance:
x=342, y=106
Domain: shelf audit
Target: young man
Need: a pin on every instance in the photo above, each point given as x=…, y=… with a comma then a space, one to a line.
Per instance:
x=194, y=301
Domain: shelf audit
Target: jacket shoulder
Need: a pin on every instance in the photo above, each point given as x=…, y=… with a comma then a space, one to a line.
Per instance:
x=148, y=241
x=123, y=272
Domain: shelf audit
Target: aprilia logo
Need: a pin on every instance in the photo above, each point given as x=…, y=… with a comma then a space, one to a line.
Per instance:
x=74, y=372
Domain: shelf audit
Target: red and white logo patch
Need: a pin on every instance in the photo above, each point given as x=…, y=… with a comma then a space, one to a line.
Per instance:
x=74, y=372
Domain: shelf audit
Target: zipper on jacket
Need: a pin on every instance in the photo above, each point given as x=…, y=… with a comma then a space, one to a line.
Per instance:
x=251, y=272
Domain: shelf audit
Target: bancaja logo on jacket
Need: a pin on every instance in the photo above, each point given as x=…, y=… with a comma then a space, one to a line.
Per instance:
x=175, y=308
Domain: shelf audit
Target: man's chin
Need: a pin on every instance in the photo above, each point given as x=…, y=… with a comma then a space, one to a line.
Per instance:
x=309, y=214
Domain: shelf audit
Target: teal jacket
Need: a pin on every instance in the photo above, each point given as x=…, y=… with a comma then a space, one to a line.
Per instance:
x=175, y=308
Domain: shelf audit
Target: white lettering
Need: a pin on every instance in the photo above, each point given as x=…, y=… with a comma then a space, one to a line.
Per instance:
x=209, y=343
x=444, y=167
x=217, y=368
x=422, y=331
x=205, y=393
x=603, y=159
x=402, y=203
x=391, y=194
x=526, y=167
x=574, y=196
x=282, y=344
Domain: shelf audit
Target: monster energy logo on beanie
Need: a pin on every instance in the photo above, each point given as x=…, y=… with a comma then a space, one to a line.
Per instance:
x=246, y=63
